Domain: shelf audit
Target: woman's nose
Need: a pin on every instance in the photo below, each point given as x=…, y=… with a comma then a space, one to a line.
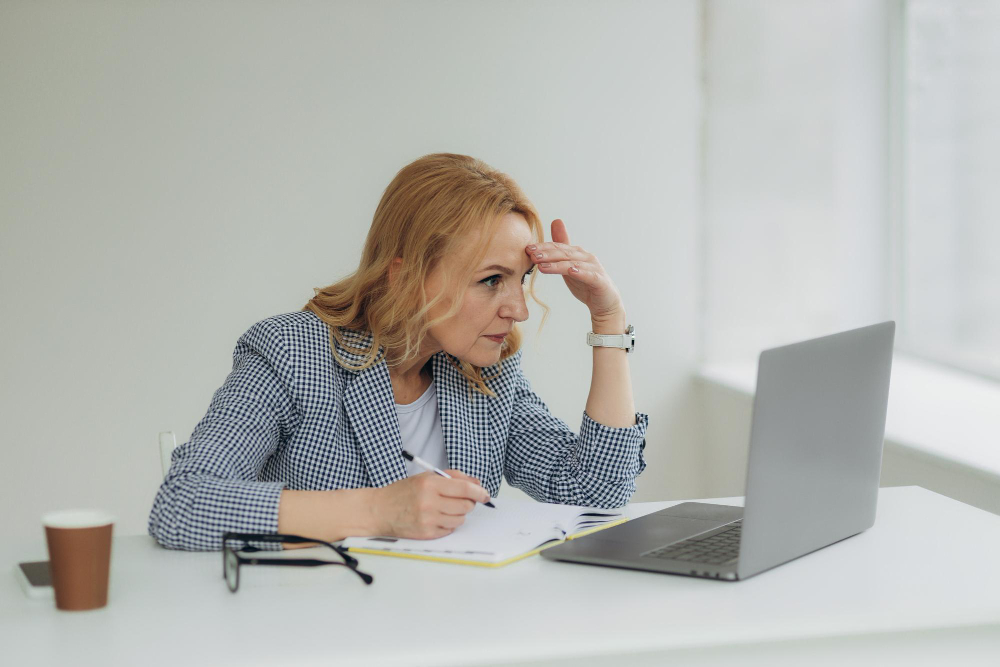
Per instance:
x=514, y=306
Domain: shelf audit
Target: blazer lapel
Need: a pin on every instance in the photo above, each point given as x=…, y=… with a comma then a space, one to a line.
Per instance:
x=464, y=421
x=369, y=404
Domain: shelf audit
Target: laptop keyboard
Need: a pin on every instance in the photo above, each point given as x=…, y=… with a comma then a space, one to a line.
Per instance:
x=722, y=548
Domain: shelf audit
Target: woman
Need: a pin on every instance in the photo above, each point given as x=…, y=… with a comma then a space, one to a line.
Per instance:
x=416, y=350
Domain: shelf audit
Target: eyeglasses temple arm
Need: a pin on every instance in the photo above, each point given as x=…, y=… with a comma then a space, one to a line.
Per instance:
x=367, y=578
x=289, y=539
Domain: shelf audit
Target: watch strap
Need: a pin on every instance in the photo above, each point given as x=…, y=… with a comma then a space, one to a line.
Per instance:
x=624, y=341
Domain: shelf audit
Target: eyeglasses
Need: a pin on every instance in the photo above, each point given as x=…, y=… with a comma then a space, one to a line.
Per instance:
x=231, y=560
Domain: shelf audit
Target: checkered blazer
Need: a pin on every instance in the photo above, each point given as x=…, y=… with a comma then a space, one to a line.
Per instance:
x=288, y=416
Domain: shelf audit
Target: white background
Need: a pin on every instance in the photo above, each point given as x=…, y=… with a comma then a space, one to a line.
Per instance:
x=172, y=172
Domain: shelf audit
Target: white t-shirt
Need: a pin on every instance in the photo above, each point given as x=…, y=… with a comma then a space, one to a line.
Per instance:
x=420, y=427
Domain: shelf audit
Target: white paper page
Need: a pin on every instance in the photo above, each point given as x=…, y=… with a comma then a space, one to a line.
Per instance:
x=489, y=535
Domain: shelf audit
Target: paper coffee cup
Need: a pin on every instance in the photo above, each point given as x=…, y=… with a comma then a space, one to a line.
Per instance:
x=79, y=557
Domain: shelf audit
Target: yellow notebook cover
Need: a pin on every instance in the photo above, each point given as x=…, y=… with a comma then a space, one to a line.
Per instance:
x=515, y=529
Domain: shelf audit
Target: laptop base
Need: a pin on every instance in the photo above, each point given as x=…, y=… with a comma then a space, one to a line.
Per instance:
x=623, y=546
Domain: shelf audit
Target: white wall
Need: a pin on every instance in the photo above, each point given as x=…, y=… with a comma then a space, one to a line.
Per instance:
x=796, y=191
x=796, y=171
x=173, y=172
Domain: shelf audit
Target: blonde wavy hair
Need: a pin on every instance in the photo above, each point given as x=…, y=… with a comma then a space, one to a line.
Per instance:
x=433, y=205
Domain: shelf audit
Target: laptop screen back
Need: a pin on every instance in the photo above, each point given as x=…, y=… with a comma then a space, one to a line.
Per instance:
x=815, y=445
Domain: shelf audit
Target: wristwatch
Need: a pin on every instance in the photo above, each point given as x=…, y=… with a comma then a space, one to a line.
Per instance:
x=625, y=341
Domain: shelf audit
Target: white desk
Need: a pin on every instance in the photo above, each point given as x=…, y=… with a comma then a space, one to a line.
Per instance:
x=929, y=566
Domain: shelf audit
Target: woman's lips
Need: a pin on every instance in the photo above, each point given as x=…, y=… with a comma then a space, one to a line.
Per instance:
x=497, y=339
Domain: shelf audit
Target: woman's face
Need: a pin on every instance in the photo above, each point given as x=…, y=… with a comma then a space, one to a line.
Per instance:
x=493, y=301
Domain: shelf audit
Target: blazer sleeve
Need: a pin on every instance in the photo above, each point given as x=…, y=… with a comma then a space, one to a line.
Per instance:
x=550, y=463
x=212, y=486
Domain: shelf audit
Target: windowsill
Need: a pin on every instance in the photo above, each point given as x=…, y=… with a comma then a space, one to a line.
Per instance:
x=933, y=412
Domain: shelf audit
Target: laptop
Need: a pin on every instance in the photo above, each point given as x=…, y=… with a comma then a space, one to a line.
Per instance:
x=812, y=472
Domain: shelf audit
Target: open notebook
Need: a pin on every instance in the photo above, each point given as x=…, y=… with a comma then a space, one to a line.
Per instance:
x=517, y=528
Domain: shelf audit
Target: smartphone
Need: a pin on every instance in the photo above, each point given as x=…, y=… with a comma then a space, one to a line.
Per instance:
x=35, y=579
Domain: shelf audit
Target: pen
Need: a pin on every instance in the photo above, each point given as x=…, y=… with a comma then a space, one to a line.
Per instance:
x=427, y=466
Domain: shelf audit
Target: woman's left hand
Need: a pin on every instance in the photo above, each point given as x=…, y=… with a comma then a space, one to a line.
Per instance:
x=584, y=276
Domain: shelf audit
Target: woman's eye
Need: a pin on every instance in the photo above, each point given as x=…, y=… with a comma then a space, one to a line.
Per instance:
x=495, y=280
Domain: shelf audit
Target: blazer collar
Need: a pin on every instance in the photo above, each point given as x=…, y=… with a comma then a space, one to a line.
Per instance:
x=371, y=409
x=354, y=348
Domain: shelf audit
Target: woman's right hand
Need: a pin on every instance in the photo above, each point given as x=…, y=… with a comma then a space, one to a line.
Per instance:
x=427, y=505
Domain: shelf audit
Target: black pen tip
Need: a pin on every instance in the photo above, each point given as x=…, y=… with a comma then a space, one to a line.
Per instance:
x=489, y=504
x=408, y=456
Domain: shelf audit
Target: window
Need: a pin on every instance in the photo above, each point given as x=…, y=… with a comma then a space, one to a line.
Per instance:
x=949, y=157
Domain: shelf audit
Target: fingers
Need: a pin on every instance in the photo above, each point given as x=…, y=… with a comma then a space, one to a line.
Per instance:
x=559, y=233
x=449, y=522
x=436, y=527
x=580, y=270
x=456, y=506
x=558, y=257
x=555, y=252
x=460, y=488
x=463, y=486
x=450, y=511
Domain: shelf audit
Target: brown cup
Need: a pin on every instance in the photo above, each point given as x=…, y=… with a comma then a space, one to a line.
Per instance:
x=79, y=557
